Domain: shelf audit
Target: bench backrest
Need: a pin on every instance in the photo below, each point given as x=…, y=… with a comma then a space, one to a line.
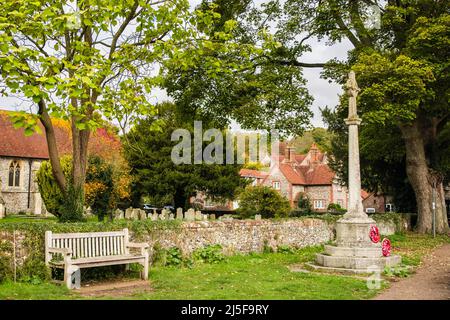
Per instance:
x=92, y=244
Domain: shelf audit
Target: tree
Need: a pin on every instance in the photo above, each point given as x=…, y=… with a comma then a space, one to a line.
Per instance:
x=249, y=88
x=155, y=175
x=69, y=57
x=262, y=200
x=106, y=184
x=408, y=54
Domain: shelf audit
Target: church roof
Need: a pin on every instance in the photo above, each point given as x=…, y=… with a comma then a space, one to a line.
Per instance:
x=14, y=143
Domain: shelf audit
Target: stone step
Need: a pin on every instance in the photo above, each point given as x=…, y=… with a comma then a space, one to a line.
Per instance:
x=356, y=262
x=371, y=252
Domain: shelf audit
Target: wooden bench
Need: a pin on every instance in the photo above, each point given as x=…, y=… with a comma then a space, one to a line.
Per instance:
x=94, y=249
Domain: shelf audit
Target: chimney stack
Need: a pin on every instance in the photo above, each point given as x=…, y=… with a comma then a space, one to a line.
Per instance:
x=314, y=153
x=291, y=151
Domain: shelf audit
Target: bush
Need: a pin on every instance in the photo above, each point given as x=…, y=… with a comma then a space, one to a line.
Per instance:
x=262, y=200
x=99, y=187
x=335, y=208
x=49, y=190
x=105, y=185
x=209, y=254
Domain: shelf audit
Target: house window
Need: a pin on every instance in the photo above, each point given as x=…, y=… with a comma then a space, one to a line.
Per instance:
x=276, y=185
x=14, y=174
x=319, y=204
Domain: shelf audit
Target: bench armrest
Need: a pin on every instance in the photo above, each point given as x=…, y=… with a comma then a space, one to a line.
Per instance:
x=137, y=245
x=64, y=251
x=142, y=246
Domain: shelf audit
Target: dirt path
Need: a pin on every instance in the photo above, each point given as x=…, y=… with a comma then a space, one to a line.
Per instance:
x=115, y=288
x=430, y=282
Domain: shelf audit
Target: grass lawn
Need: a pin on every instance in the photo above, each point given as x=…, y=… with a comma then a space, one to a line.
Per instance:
x=255, y=276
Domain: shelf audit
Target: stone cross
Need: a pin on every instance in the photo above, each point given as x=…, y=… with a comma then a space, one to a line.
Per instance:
x=355, y=207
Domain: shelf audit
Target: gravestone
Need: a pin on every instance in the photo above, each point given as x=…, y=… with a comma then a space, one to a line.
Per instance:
x=128, y=213
x=153, y=216
x=257, y=217
x=135, y=214
x=190, y=215
x=179, y=214
x=88, y=211
x=212, y=216
x=118, y=214
x=198, y=215
x=162, y=216
x=171, y=216
x=204, y=217
x=354, y=251
x=142, y=214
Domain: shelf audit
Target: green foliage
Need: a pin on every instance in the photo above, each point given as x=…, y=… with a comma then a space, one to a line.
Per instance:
x=99, y=190
x=173, y=257
x=285, y=249
x=72, y=208
x=149, y=151
x=49, y=190
x=304, y=206
x=99, y=177
x=262, y=200
x=209, y=254
x=398, y=271
x=320, y=136
x=336, y=208
x=6, y=271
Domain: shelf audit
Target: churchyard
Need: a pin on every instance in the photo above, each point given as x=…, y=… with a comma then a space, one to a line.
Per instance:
x=105, y=195
x=257, y=275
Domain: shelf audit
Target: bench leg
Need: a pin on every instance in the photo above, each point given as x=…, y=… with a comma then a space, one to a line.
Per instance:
x=144, y=273
x=72, y=277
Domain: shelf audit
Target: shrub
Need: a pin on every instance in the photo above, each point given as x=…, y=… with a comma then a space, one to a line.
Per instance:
x=105, y=185
x=49, y=190
x=336, y=208
x=209, y=254
x=99, y=187
x=262, y=200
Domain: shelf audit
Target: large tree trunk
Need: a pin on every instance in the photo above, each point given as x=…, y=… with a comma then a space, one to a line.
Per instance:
x=422, y=179
x=52, y=146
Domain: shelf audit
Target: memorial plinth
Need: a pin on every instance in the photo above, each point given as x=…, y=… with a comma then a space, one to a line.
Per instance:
x=354, y=251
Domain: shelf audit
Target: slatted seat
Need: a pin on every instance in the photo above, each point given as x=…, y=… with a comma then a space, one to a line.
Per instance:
x=94, y=249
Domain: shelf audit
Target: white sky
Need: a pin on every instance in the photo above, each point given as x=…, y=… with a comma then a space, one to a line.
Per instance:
x=324, y=93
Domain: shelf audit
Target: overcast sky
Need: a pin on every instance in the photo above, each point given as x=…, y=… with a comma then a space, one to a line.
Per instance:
x=324, y=93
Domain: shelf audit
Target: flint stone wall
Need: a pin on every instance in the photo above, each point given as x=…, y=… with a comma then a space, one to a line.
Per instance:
x=235, y=236
x=244, y=236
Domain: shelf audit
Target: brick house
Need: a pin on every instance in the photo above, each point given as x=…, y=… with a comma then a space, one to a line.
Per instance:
x=296, y=174
x=373, y=202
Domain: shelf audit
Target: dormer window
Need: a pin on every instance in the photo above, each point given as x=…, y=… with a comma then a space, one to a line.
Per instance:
x=14, y=174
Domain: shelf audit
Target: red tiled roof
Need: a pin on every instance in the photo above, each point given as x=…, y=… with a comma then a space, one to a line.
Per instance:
x=14, y=143
x=293, y=176
x=252, y=173
x=320, y=174
x=313, y=174
x=364, y=194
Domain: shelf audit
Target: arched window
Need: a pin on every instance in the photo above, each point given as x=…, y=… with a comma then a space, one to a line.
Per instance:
x=14, y=174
